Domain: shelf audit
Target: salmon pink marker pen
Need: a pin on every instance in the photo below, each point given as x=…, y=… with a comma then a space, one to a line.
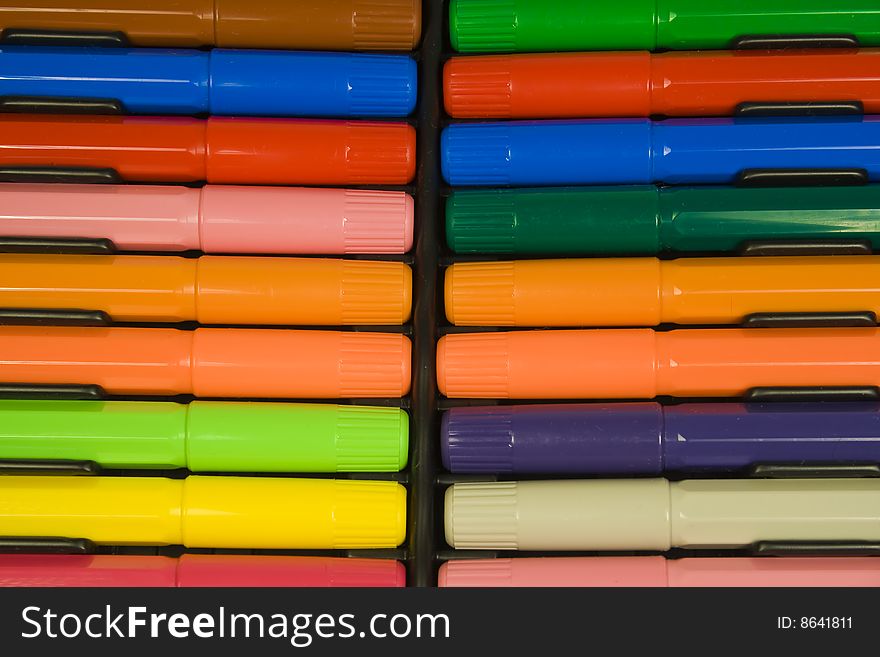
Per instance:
x=213, y=219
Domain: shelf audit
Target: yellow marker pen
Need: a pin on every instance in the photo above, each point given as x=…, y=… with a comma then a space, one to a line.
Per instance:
x=202, y=512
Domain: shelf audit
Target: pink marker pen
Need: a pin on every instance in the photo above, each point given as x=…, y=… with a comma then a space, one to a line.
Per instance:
x=660, y=572
x=213, y=219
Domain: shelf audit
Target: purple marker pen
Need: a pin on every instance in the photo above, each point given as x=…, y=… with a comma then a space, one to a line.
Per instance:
x=646, y=438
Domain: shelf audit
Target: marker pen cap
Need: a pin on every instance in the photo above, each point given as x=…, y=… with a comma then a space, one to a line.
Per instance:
x=548, y=85
x=304, y=220
x=279, y=513
x=207, y=512
x=207, y=436
x=511, y=25
x=267, y=437
x=554, y=438
x=242, y=570
x=660, y=572
x=112, y=434
x=556, y=572
x=568, y=292
x=254, y=82
x=508, y=153
x=209, y=362
x=214, y=219
x=318, y=364
x=309, y=152
x=196, y=570
x=307, y=24
x=548, y=364
x=604, y=514
x=554, y=220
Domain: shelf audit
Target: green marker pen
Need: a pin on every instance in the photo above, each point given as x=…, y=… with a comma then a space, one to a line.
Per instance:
x=647, y=220
x=536, y=25
x=207, y=436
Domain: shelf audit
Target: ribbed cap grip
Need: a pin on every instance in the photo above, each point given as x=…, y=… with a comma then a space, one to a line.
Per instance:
x=481, y=221
x=386, y=24
x=471, y=573
x=487, y=25
x=477, y=87
x=473, y=365
x=477, y=442
x=382, y=85
x=482, y=516
x=481, y=294
x=360, y=573
x=374, y=364
x=377, y=221
x=375, y=292
x=385, y=523
x=476, y=154
x=371, y=439
x=380, y=152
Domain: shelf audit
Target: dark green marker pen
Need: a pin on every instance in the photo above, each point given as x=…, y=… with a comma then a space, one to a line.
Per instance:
x=646, y=220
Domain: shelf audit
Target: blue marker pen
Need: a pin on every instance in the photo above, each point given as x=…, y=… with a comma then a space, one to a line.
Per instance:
x=220, y=82
x=640, y=151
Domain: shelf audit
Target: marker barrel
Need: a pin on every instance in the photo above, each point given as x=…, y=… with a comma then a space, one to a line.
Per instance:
x=642, y=363
x=212, y=289
x=191, y=570
x=580, y=85
x=221, y=150
x=259, y=363
x=207, y=436
x=654, y=514
x=647, y=291
x=640, y=151
x=306, y=24
x=530, y=25
x=650, y=439
x=220, y=82
x=659, y=572
x=646, y=220
x=208, y=512
x=214, y=218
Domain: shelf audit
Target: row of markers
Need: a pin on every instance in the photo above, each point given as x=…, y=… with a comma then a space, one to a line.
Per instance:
x=145, y=361
x=780, y=470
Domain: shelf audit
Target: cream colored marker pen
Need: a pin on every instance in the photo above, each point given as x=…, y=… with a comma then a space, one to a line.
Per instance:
x=655, y=514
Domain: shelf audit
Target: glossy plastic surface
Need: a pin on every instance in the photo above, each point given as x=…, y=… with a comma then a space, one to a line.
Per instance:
x=308, y=24
x=207, y=436
x=219, y=150
x=648, y=292
x=580, y=85
x=639, y=151
x=642, y=363
x=644, y=220
x=219, y=82
x=215, y=218
x=208, y=570
x=215, y=512
x=209, y=362
x=530, y=25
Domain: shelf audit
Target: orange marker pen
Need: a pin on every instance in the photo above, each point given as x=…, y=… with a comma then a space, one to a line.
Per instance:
x=221, y=150
x=209, y=362
x=648, y=291
x=643, y=363
x=606, y=84
x=211, y=289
